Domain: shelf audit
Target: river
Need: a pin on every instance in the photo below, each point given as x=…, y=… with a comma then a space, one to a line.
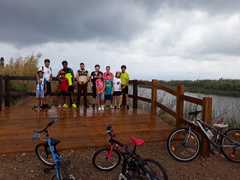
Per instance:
x=223, y=106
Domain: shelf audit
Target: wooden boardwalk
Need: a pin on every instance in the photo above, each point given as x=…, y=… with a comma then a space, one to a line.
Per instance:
x=75, y=128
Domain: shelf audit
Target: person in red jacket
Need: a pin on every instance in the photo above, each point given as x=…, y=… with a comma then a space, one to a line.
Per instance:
x=63, y=88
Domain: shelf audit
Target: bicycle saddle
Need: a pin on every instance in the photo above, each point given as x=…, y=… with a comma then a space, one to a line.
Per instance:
x=137, y=141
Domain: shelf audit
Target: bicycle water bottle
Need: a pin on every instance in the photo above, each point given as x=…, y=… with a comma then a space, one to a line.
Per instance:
x=209, y=133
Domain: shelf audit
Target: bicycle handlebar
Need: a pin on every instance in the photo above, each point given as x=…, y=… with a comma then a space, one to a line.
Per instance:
x=48, y=125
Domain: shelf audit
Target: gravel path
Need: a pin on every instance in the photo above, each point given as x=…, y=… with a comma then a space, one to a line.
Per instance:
x=25, y=166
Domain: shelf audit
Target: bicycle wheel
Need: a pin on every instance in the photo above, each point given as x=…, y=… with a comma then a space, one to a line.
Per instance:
x=231, y=145
x=155, y=170
x=183, y=145
x=55, y=177
x=43, y=153
x=146, y=169
x=106, y=160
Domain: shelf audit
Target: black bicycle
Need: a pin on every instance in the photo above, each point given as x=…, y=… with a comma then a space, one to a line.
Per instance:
x=133, y=166
x=184, y=144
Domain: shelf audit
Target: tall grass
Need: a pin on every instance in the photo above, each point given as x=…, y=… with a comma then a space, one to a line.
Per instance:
x=26, y=66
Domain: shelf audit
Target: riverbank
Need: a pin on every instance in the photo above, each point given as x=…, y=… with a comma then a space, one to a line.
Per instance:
x=25, y=166
x=223, y=87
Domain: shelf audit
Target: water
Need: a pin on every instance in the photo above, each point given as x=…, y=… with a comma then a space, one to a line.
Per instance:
x=223, y=106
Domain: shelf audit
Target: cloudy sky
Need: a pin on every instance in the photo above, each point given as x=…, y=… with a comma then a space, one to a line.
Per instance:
x=162, y=39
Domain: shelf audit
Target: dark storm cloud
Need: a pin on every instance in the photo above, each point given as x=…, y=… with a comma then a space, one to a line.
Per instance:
x=28, y=22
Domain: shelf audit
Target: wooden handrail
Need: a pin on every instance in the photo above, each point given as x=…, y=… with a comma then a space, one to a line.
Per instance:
x=166, y=109
x=154, y=85
x=193, y=100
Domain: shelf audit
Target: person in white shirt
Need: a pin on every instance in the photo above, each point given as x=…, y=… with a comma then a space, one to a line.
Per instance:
x=117, y=90
x=47, y=75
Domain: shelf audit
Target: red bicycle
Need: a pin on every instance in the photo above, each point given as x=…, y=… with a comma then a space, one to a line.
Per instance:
x=133, y=167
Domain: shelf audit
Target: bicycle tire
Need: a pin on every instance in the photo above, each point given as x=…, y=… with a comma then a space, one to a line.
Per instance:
x=47, y=154
x=160, y=174
x=229, y=155
x=105, y=150
x=171, y=149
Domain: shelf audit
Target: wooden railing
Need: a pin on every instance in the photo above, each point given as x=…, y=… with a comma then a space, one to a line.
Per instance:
x=178, y=114
x=154, y=85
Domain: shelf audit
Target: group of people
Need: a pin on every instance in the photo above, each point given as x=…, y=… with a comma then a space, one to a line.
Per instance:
x=108, y=89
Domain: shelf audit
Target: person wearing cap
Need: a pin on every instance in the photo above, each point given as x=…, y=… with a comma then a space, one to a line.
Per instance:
x=82, y=78
x=94, y=77
x=124, y=83
x=70, y=77
x=40, y=88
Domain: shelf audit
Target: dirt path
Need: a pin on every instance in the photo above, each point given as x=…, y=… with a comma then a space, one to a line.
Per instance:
x=25, y=166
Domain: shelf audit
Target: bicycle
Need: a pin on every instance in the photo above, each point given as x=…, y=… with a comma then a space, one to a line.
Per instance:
x=47, y=151
x=184, y=144
x=133, y=167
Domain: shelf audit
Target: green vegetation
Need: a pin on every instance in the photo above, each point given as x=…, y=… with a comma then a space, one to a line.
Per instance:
x=224, y=87
x=20, y=67
x=26, y=66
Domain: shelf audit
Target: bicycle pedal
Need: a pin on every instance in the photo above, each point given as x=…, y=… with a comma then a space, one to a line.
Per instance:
x=122, y=177
x=71, y=177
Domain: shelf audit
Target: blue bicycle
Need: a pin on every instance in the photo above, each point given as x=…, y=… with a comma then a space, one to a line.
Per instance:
x=47, y=152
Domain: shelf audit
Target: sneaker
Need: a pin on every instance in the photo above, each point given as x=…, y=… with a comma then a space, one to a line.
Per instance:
x=74, y=106
x=65, y=106
x=103, y=108
x=99, y=108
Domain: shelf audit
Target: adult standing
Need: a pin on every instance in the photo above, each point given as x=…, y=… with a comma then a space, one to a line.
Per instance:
x=70, y=78
x=124, y=83
x=94, y=77
x=82, y=78
x=47, y=76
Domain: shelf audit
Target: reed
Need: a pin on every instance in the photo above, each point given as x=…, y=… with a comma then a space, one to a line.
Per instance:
x=23, y=66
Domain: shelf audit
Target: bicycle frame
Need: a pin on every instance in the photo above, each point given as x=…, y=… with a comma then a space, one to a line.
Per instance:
x=218, y=134
x=56, y=158
x=52, y=147
x=126, y=155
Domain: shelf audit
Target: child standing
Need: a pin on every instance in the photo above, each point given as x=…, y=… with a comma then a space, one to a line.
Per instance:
x=63, y=88
x=40, y=88
x=117, y=87
x=100, y=87
x=108, y=79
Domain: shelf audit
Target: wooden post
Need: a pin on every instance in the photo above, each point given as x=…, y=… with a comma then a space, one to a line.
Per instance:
x=179, y=105
x=154, y=96
x=135, y=94
x=207, y=117
x=1, y=92
x=7, y=89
